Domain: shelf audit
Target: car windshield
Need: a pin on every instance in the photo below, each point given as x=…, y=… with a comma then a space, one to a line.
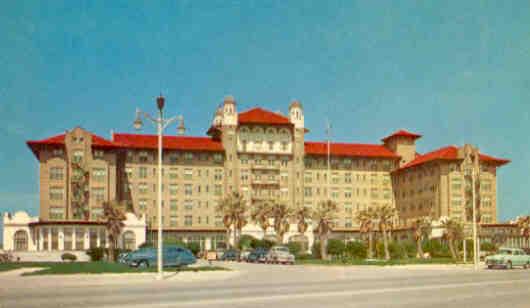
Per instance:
x=505, y=252
x=282, y=249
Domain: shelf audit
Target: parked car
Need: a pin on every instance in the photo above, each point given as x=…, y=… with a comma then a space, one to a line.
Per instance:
x=258, y=255
x=243, y=256
x=280, y=254
x=508, y=258
x=230, y=255
x=171, y=256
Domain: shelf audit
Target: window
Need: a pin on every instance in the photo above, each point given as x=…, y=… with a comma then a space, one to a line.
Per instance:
x=284, y=146
x=173, y=205
x=129, y=172
x=98, y=154
x=56, y=173
x=188, y=205
x=143, y=157
x=188, y=220
x=218, y=174
x=173, y=173
x=99, y=174
x=485, y=185
x=218, y=158
x=142, y=188
x=56, y=213
x=188, y=156
x=98, y=194
x=57, y=152
x=347, y=193
x=334, y=193
x=173, y=158
x=308, y=177
x=188, y=189
x=56, y=193
x=244, y=175
x=173, y=220
x=374, y=193
x=142, y=204
x=218, y=190
x=486, y=201
x=188, y=174
x=96, y=213
x=271, y=145
x=173, y=189
x=456, y=183
x=78, y=156
x=335, y=178
x=142, y=172
x=308, y=192
x=218, y=221
x=386, y=193
x=347, y=177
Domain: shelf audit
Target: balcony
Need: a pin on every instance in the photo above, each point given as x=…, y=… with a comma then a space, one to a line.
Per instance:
x=274, y=167
x=265, y=182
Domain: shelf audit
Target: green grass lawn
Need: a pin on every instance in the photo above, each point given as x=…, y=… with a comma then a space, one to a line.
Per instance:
x=60, y=268
x=378, y=262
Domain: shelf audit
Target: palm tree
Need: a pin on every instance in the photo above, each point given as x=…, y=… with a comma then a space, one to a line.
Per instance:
x=384, y=215
x=302, y=214
x=422, y=228
x=453, y=231
x=323, y=216
x=281, y=213
x=114, y=217
x=366, y=221
x=233, y=209
x=261, y=213
x=523, y=223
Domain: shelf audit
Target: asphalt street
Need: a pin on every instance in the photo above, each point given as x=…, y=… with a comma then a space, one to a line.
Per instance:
x=260, y=285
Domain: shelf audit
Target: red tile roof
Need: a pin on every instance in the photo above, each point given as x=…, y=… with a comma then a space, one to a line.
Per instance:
x=349, y=149
x=184, y=143
x=449, y=153
x=97, y=141
x=401, y=133
x=262, y=116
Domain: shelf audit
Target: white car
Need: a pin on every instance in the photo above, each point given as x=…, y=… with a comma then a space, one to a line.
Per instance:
x=279, y=254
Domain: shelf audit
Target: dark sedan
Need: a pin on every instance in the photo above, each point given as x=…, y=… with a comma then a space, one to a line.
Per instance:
x=258, y=255
x=230, y=255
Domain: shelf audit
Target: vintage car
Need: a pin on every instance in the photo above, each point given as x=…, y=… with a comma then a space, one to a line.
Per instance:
x=508, y=258
x=258, y=255
x=171, y=256
x=230, y=255
x=280, y=254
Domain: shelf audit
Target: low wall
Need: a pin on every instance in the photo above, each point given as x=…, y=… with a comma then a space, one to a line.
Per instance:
x=47, y=256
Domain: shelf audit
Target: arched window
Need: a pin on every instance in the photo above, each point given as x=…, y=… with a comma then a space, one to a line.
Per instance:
x=20, y=240
x=129, y=240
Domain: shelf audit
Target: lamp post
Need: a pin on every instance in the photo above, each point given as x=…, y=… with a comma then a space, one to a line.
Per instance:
x=161, y=124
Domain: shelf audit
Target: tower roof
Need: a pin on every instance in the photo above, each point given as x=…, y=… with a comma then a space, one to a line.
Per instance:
x=401, y=133
x=262, y=116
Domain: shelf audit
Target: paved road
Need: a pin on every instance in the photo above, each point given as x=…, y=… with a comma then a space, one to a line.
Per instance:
x=252, y=285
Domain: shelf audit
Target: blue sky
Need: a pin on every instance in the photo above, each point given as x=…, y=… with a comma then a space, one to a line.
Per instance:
x=454, y=71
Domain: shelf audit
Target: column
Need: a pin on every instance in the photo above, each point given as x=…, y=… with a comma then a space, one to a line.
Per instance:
x=74, y=238
x=61, y=239
x=49, y=239
x=41, y=239
x=98, y=242
x=86, y=239
x=208, y=243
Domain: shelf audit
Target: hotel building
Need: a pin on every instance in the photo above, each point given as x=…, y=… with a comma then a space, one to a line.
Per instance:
x=262, y=154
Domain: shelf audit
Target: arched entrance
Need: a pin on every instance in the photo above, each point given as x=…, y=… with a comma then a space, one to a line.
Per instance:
x=20, y=240
x=129, y=240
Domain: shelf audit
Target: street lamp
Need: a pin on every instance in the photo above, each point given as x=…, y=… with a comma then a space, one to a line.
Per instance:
x=161, y=124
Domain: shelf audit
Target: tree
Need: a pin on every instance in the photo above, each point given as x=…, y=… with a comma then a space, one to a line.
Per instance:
x=453, y=231
x=422, y=228
x=302, y=214
x=233, y=208
x=384, y=215
x=523, y=223
x=261, y=214
x=281, y=213
x=323, y=215
x=114, y=217
x=366, y=221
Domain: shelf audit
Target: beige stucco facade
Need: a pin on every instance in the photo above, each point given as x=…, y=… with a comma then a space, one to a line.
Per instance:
x=264, y=156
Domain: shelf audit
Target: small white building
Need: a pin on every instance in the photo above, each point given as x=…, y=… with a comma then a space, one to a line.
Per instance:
x=25, y=233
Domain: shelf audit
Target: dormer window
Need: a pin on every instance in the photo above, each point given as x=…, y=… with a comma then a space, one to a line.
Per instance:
x=58, y=152
x=77, y=156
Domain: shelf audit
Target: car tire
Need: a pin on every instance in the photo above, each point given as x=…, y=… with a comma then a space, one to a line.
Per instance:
x=509, y=265
x=143, y=264
x=490, y=266
x=527, y=265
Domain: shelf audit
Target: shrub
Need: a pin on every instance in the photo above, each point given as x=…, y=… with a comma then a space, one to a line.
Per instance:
x=356, y=250
x=436, y=249
x=245, y=241
x=68, y=257
x=96, y=254
x=410, y=248
x=255, y=243
x=488, y=246
x=396, y=250
x=294, y=248
x=336, y=247
x=194, y=247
